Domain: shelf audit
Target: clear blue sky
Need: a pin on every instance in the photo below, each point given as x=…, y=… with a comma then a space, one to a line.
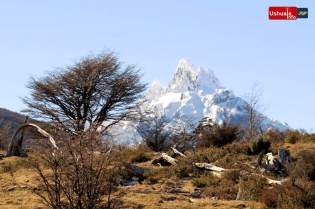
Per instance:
x=233, y=38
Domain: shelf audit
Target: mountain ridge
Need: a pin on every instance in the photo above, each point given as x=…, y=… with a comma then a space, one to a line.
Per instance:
x=195, y=94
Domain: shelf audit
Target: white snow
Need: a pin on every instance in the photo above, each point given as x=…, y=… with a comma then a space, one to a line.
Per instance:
x=193, y=93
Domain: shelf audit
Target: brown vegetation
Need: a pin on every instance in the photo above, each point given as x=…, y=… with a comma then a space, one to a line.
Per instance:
x=166, y=186
x=96, y=89
x=86, y=170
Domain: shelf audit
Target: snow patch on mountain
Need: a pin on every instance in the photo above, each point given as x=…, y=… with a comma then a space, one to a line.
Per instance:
x=195, y=94
x=155, y=90
x=188, y=79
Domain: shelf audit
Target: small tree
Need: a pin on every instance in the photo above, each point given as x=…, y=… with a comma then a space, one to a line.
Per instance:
x=255, y=109
x=84, y=173
x=155, y=134
x=259, y=143
x=96, y=89
x=4, y=134
x=216, y=135
x=183, y=133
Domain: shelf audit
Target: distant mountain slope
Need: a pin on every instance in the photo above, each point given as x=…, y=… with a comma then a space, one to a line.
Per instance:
x=8, y=116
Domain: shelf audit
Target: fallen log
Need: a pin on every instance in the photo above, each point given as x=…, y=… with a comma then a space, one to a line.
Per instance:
x=164, y=159
x=209, y=167
x=15, y=146
x=215, y=170
x=176, y=152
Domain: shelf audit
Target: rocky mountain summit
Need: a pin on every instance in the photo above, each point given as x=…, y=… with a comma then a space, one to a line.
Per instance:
x=194, y=94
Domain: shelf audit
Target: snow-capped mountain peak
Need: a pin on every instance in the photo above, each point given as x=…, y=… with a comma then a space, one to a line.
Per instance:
x=155, y=90
x=183, y=79
x=188, y=79
x=206, y=81
x=194, y=94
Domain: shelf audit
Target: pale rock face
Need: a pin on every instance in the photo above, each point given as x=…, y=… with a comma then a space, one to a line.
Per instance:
x=155, y=90
x=195, y=94
x=206, y=81
x=183, y=79
x=188, y=79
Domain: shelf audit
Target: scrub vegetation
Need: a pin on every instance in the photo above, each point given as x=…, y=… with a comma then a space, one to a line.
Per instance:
x=80, y=104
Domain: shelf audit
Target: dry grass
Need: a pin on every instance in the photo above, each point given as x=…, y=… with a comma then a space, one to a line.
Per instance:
x=156, y=196
x=25, y=179
x=299, y=147
x=137, y=196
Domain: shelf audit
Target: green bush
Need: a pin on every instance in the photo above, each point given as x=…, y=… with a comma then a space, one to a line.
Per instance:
x=304, y=167
x=259, y=143
x=225, y=188
x=289, y=195
x=293, y=136
x=159, y=174
x=205, y=179
x=140, y=156
x=136, y=155
x=14, y=164
x=275, y=136
x=218, y=135
x=253, y=186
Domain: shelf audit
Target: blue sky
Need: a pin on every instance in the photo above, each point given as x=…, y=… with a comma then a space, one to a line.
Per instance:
x=235, y=39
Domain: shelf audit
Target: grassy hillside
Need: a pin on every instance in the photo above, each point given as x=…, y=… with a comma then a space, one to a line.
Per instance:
x=181, y=185
x=18, y=172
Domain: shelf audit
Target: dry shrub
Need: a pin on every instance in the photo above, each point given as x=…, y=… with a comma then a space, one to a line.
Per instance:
x=259, y=143
x=205, y=179
x=14, y=164
x=224, y=188
x=4, y=134
x=228, y=185
x=295, y=136
x=225, y=156
x=218, y=135
x=82, y=173
x=275, y=136
x=292, y=136
x=253, y=186
x=138, y=155
x=309, y=137
x=304, y=167
x=289, y=195
x=183, y=169
x=159, y=174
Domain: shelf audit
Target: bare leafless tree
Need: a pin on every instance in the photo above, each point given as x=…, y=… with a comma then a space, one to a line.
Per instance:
x=4, y=134
x=153, y=130
x=255, y=109
x=96, y=89
x=183, y=133
x=83, y=173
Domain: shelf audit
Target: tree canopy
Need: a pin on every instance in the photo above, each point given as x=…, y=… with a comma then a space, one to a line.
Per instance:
x=95, y=89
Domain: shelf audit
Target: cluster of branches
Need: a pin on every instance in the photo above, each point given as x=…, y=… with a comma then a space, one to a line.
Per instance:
x=253, y=121
x=4, y=134
x=96, y=89
x=77, y=106
x=84, y=172
x=159, y=133
x=209, y=134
